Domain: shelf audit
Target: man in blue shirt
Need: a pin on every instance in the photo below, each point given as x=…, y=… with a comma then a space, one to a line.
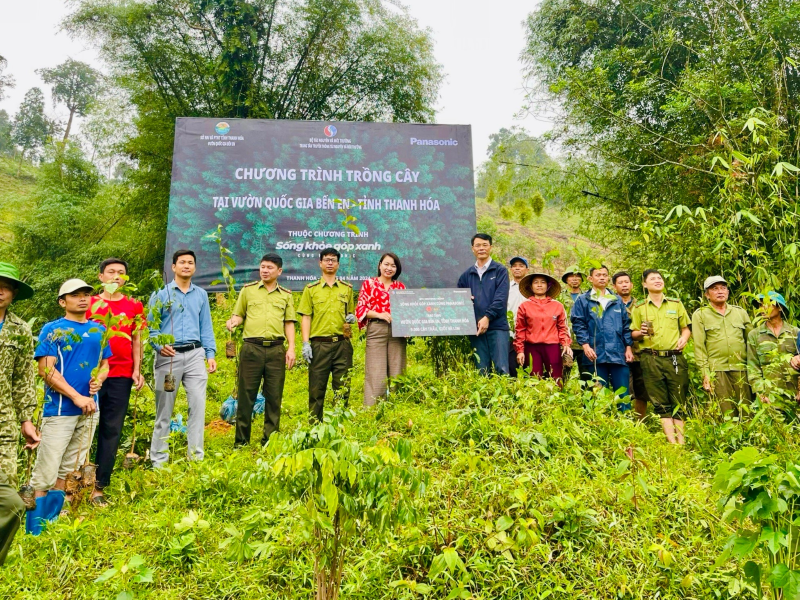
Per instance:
x=69, y=349
x=181, y=310
x=488, y=281
x=602, y=327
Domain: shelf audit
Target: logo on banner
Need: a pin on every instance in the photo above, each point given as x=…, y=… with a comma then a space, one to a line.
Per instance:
x=222, y=128
x=330, y=130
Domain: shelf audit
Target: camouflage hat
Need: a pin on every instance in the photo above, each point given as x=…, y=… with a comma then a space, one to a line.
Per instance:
x=10, y=272
x=572, y=270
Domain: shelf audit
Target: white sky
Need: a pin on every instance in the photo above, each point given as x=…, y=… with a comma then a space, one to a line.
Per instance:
x=477, y=43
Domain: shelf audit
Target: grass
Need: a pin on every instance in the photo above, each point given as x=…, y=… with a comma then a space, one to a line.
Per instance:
x=17, y=184
x=529, y=488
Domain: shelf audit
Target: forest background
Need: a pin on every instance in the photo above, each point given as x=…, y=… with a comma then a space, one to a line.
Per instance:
x=675, y=145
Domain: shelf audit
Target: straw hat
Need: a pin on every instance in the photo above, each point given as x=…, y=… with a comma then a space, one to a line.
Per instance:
x=553, y=288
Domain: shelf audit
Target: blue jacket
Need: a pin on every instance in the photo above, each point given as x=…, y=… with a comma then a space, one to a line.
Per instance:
x=490, y=294
x=612, y=329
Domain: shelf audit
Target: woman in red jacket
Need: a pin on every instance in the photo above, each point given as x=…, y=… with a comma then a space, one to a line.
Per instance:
x=542, y=337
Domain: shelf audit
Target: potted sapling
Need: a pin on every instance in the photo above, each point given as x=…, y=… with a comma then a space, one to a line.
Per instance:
x=131, y=458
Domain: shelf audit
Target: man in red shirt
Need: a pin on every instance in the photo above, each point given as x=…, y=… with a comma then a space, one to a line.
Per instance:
x=124, y=368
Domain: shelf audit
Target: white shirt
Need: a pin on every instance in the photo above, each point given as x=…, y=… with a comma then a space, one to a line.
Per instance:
x=482, y=270
x=604, y=299
x=515, y=298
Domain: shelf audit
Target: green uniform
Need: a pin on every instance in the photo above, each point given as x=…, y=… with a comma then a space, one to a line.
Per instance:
x=664, y=369
x=327, y=305
x=720, y=350
x=17, y=389
x=262, y=357
x=768, y=357
x=17, y=404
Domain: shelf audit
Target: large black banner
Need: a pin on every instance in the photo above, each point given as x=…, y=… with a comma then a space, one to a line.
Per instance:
x=296, y=187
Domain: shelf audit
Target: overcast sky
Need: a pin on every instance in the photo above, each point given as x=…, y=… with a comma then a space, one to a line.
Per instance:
x=477, y=42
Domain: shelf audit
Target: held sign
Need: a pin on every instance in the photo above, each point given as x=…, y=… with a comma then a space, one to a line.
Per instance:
x=430, y=312
x=294, y=188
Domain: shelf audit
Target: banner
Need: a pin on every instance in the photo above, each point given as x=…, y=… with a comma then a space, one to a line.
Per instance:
x=432, y=312
x=296, y=187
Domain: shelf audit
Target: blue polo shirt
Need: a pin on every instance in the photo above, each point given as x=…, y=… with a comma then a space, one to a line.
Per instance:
x=76, y=347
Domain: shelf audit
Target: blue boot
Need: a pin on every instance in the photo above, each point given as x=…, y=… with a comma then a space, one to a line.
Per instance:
x=47, y=509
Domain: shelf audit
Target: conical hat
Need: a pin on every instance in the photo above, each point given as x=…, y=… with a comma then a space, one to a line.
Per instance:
x=553, y=290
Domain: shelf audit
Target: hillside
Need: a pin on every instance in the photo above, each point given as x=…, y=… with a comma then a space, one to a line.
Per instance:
x=530, y=496
x=17, y=183
x=554, y=232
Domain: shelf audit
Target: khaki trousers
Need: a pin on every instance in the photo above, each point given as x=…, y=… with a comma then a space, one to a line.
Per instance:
x=385, y=357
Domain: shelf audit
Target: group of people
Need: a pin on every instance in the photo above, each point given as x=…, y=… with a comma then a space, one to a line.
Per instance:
x=635, y=347
x=525, y=323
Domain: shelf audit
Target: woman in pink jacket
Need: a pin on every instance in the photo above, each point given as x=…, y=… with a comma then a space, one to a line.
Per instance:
x=542, y=336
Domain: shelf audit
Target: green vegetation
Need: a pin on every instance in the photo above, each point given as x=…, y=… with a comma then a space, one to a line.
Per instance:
x=528, y=490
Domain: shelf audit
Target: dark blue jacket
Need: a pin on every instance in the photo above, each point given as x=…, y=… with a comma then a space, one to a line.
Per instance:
x=490, y=294
x=613, y=328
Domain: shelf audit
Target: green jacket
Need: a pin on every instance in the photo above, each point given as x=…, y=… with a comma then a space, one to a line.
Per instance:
x=17, y=389
x=768, y=359
x=720, y=341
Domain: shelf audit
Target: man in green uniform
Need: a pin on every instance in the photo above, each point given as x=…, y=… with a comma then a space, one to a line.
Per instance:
x=17, y=400
x=573, y=278
x=327, y=308
x=770, y=350
x=720, y=346
x=623, y=285
x=267, y=311
x=662, y=326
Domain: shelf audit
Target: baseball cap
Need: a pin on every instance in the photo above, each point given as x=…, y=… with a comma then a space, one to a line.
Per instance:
x=516, y=258
x=712, y=280
x=73, y=285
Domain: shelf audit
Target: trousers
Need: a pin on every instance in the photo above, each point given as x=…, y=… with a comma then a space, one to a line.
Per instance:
x=114, y=397
x=492, y=350
x=259, y=364
x=64, y=446
x=330, y=360
x=614, y=376
x=544, y=360
x=667, y=381
x=385, y=357
x=189, y=370
x=12, y=510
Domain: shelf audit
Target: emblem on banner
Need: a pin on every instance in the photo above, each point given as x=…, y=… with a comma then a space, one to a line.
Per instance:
x=222, y=128
x=330, y=130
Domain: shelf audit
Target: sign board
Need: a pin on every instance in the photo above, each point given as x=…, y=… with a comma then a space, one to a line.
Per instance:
x=431, y=312
x=296, y=187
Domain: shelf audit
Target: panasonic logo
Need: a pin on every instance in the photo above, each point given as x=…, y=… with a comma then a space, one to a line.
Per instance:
x=418, y=142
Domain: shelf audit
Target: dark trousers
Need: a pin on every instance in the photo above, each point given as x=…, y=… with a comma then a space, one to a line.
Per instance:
x=113, y=398
x=330, y=359
x=667, y=381
x=584, y=368
x=544, y=360
x=11, y=512
x=257, y=364
x=614, y=376
x=492, y=350
x=637, y=382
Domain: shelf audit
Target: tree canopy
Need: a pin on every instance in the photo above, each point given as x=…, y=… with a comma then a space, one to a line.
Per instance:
x=660, y=97
x=276, y=59
x=75, y=84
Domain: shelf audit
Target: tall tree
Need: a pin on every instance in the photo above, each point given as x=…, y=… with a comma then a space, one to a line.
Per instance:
x=278, y=59
x=75, y=85
x=31, y=126
x=687, y=111
x=6, y=141
x=6, y=81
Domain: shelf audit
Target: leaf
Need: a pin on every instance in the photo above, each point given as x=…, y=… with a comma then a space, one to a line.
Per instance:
x=144, y=576
x=126, y=595
x=744, y=544
x=504, y=523
x=106, y=575
x=753, y=574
